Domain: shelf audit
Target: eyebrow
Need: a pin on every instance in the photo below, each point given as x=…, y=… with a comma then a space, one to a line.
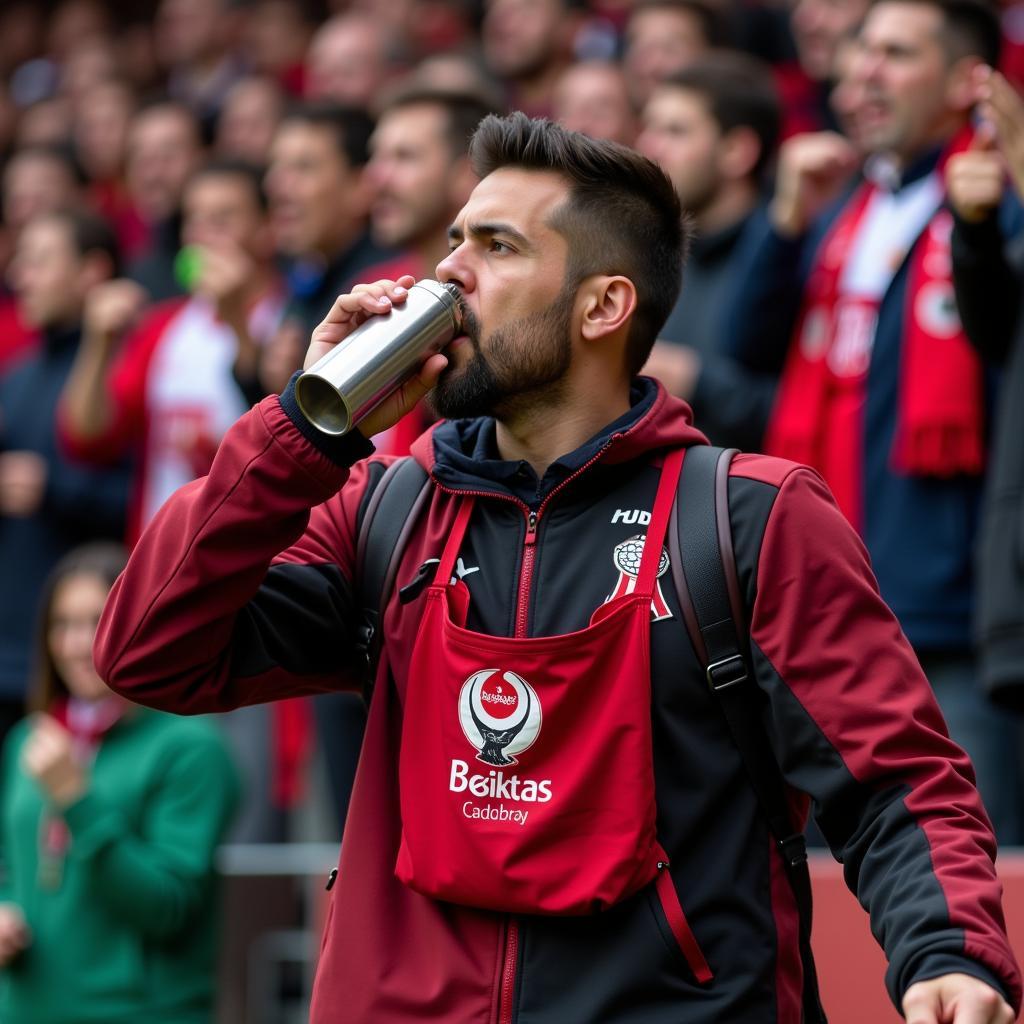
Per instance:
x=486, y=230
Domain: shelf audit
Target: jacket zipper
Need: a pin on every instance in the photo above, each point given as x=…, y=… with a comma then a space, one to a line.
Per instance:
x=511, y=952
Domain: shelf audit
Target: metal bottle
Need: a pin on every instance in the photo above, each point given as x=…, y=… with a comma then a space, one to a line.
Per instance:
x=341, y=389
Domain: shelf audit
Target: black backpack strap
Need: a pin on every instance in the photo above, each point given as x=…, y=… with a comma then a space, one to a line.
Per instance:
x=390, y=515
x=712, y=605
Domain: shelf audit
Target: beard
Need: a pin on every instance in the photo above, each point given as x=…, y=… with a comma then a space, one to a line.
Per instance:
x=524, y=367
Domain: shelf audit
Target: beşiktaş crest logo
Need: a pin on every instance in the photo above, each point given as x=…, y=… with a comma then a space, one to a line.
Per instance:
x=626, y=558
x=500, y=715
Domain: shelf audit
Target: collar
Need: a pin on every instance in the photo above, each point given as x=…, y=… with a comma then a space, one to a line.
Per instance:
x=466, y=452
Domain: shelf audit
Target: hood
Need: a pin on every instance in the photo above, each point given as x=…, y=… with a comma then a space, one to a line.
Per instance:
x=462, y=455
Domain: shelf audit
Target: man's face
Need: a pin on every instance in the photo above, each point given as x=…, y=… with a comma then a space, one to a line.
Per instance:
x=818, y=27
x=34, y=184
x=222, y=209
x=902, y=73
x=521, y=37
x=346, y=62
x=46, y=274
x=680, y=135
x=509, y=264
x=593, y=99
x=660, y=42
x=410, y=175
x=163, y=151
x=312, y=190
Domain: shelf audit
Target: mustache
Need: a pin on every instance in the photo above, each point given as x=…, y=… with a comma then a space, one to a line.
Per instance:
x=470, y=324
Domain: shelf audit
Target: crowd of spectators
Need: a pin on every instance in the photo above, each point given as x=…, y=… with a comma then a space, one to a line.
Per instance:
x=186, y=189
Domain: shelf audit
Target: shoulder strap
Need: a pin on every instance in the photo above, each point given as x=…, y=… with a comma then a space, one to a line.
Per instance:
x=392, y=511
x=709, y=594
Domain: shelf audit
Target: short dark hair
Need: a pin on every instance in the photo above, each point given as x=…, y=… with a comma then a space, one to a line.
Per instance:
x=971, y=28
x=350, y=127
x=740, y=93
x=622, y=215
x=235, y=167
x=89, y=233
x=463, y=110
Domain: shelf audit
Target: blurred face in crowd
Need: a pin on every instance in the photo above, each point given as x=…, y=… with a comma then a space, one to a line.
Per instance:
x=249, y=119
x=510, y=266
x=911, y=97
x=521, y=38
x=163, y=150
x=659, y=42
x=74, y=615
x=680, y=135
x=188, y=31
x=35, y=183
x=101, y=129
x=221, y=208
x=592, y=98
x=413, y=176
x=818, y=27
x=317, y=199
x=847, y=96
x=347, y=61
x=50, y=276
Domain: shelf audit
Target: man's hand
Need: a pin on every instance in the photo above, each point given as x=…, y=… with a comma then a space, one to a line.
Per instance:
x=955, y=999
x=14, y=933
x=355, y=308
x=22, y=483
x=111, y=308
x=224, y=275
x=48, y=758
x=1002, y=106
x=812, y=171
x=975, y=178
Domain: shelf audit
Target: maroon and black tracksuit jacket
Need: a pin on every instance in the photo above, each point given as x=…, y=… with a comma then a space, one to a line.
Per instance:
x=242, y=590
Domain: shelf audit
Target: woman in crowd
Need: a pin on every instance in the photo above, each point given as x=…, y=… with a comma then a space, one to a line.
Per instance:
x=109, y=818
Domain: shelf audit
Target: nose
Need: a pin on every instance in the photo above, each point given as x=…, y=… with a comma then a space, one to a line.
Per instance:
x=454, y=269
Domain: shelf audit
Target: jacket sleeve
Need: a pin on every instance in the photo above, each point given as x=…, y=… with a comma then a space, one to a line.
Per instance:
x=855, y=726
x=986, y=285
x=200, y=620
x=156, y=875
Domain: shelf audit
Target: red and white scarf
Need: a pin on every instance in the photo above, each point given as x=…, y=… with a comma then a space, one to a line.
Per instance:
x=818, y=415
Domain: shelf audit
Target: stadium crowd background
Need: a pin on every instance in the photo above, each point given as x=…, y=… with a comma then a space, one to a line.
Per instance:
x=188, y=184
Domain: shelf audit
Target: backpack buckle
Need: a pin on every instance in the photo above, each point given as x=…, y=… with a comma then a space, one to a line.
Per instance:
x=727, y=672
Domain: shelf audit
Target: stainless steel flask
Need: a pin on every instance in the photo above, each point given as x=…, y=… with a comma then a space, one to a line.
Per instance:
x=341, y=389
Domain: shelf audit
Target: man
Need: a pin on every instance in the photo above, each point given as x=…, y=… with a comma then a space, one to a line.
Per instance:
x=419, y=175
x=881, y=391
x=319, y=202
x=164, y=148
x=169, y=389
x=527, y=44
x=350, y=61
x=48, y=504
x=713, y=128
x=567, y=258
x=820, y=30
x=663, y=37
x=592, y=97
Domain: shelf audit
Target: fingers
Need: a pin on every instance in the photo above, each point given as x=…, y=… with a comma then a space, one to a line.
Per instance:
x=405, y=399
x=354, y=308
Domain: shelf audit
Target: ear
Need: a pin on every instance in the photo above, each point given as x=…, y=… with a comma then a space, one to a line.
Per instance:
x=962, y=84
x=606, y=306
x=739, y=151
